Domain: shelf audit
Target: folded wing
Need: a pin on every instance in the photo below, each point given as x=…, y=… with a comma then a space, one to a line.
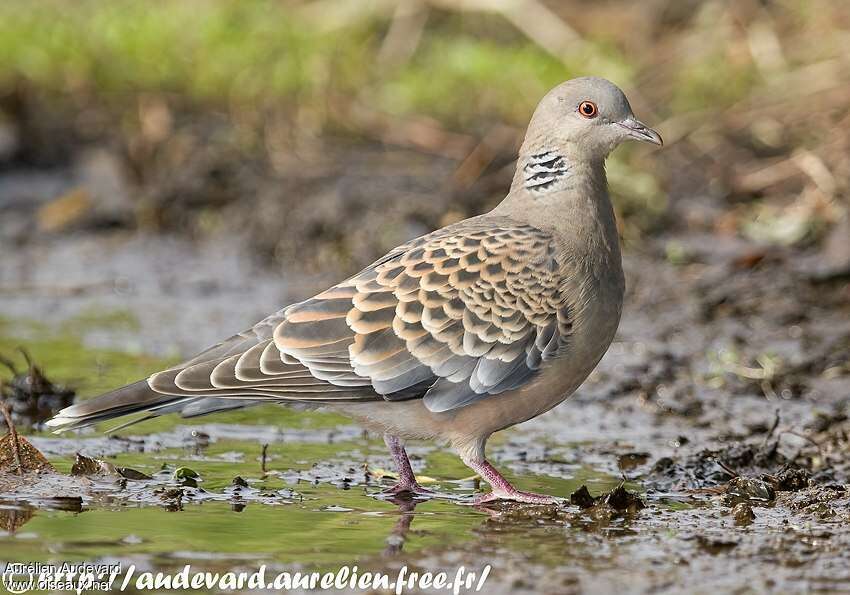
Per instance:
x=469, y=311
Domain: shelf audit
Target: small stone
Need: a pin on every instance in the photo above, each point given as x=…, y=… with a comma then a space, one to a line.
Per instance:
x=186, y=477
x=743, y=514
x=748, y=489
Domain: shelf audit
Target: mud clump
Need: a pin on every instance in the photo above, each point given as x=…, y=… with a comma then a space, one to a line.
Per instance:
x=171, y=498
x=609, y=511
x=632, y=460
x=12, y=519
x=791, y=480
x=582, y=498
x=716, y=545
x=712, y=468
x=822, y=502
x=618, y=500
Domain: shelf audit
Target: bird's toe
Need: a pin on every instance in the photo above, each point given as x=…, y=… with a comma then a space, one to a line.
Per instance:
x=407, y=490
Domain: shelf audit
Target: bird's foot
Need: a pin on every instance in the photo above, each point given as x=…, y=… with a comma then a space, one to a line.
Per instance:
x=515, y=496
x=404, y=489
x=502, y=488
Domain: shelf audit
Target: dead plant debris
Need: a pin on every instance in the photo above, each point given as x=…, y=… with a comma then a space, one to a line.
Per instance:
x=88, y=466
x=31, y=460
x=619, y=499
x=32, y=397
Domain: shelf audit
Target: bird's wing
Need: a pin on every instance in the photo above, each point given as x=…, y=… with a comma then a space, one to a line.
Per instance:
x=472, y=310
x=465, y=312
x=468, y=311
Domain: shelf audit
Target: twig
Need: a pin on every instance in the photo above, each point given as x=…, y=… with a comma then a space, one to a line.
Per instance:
x=772, y=428
x=767, y=391
x=264, y=458
x=27, y=358
x=766, y=49
x=404, y=34
x=814, y=167
x=727, y=468
x=500, y=138
x=16, y=448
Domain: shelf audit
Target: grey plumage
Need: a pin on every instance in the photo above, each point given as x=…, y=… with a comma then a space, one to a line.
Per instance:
x=431, y=339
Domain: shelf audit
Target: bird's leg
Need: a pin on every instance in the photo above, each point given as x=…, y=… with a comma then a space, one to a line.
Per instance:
x=406, y=483
x=501, y=488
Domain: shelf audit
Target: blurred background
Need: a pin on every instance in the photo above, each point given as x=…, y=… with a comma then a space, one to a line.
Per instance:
x=319, y=134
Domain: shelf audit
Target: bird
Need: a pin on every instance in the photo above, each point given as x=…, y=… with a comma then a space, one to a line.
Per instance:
x=455, y=335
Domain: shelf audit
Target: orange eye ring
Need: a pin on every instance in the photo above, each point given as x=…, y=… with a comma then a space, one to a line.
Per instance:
x=588, y=109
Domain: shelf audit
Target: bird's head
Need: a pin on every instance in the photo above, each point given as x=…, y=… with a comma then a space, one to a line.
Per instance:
x=586, y=118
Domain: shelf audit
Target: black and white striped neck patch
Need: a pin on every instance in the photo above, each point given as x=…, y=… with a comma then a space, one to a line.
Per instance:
x=545, y=171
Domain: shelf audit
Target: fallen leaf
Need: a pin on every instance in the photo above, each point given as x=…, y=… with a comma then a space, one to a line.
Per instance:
x=381, y=473
x=31, y=457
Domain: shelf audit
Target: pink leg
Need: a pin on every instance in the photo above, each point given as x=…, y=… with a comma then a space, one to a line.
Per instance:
x=406, y=483
x=501, y=487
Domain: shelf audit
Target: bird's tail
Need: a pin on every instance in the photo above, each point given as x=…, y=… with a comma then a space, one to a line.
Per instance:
x=117, y=403
x=138, y=397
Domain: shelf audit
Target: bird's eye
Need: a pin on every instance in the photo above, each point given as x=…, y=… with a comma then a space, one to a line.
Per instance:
x=588, y=109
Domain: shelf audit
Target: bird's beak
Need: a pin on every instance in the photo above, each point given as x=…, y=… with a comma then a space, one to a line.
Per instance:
x=637, y=130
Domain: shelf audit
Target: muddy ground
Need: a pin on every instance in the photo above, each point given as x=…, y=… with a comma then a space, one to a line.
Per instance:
x=723, y=404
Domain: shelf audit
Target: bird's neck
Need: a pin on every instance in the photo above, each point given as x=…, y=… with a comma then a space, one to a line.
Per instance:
x=543, y=171
x=555, y=193
x=544, y=168
x=553, y=177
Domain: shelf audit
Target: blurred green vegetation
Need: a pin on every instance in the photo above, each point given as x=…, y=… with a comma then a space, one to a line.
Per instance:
x=751, y=96
x=466, y=65
x=257, y=51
